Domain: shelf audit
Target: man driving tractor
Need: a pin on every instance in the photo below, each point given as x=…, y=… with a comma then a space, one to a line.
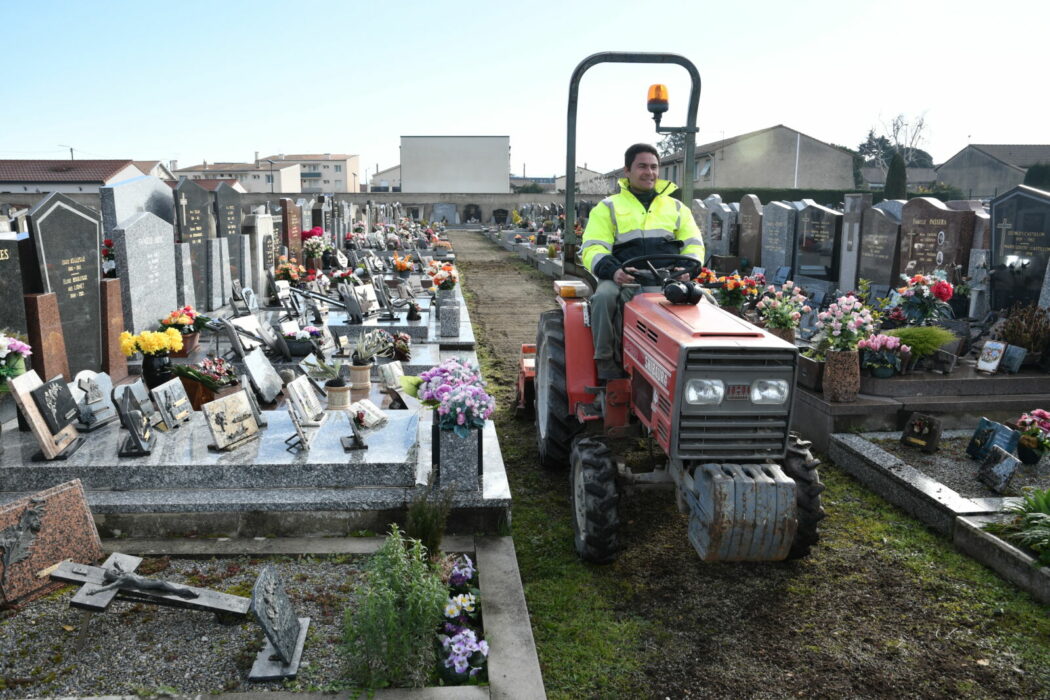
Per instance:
x=642, y=219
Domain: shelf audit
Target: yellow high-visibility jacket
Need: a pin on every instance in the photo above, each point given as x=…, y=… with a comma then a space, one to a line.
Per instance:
x=620, y=228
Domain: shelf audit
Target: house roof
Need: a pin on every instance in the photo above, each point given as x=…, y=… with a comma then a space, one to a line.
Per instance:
x=1018, y=155
x=211, y=184
x=231, y=167
x=703, y=148
x=87, y=171
x=311, y=156
x=145, y=165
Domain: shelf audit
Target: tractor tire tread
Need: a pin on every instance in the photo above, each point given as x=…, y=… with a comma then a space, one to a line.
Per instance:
x=597, y=540
x=801, y=466
x=562, y=427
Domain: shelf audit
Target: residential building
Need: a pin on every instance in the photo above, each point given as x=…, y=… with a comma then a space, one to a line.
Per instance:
x=67, y=176
x=776, y=157
x=983, y=171
x=455, y=164
x=212, y=185
x=587, y=182
x=155, y=168
x=263, y=176
x=388, y=180
x=322, y=172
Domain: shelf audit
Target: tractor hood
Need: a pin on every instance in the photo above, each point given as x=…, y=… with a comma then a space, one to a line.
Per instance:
x=686, y=322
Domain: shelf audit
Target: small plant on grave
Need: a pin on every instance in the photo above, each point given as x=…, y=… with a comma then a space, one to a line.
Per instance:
x=846, y=322
x=288, y=270
x=13, y=353
x=457, y=390
x=154, y=343
x=1035, y=430
x=1030, y=524
x=882, y=351
x=304, y=333
x=924, y=298
x=426, y=519
x=923, y=340
x=388, y=635
x=736, y=291
x=369, y=345
x=444, y=277
x=109, y=259
x=403, y=263
x=185, y=320
x=214, y=373
x=464, y=653
x=782, y=308
x=1026, y=327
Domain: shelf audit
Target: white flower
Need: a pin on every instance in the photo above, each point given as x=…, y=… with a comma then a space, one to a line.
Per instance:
x=452, y=609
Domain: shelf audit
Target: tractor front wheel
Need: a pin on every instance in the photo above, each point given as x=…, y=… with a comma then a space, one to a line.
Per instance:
x=596, y=522
x=555, y=426
x=801, y=466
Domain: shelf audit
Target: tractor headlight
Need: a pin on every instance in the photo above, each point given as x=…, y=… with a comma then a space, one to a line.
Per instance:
x=769, y=391
x=704, y=391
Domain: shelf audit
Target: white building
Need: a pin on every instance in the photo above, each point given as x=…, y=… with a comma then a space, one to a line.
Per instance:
x=455, y=164
x=322, y=172
x=587, y=182
x=254, y=177
x=155, y=168
x=388, y=180
x=67, y=176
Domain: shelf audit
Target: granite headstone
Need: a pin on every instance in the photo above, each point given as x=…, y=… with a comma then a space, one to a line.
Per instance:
x=750, y=236
x=13, y=310
x=819, y=239
x=849, y=250
x=778, y=235
x=228, y=210
x=879, y=248
x=66, y=240
x=292, y=228
x=1020, y=247
x=195, y=226
x=125, y=199
x=934, y=237
x=145, y=249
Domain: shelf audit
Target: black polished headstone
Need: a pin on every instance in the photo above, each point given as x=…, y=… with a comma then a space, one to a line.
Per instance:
x=12, y=310
x=66, y=240
x=228, y=210
x=879, y=248
x=778, y=236
x=1020, y=246
x=819, y=234
x=195, y=225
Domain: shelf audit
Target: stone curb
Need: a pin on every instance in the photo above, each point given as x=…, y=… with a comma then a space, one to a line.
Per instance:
x=1003, y=558
x=514, y=667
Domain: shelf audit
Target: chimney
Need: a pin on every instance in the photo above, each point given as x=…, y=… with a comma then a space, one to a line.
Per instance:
x=205, y=165
x=173, y=165
x=256, y=159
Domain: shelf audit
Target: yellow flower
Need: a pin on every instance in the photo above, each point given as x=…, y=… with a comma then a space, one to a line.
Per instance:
x=127, y=344
x=184, y=320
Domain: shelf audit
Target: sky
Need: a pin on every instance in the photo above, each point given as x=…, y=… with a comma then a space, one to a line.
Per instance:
x=218, y=81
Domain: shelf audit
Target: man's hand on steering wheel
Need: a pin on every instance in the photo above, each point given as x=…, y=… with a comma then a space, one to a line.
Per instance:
x=689, y=266
x=623, y=276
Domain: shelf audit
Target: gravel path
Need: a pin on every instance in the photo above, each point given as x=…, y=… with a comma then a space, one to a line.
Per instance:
x=139, y=649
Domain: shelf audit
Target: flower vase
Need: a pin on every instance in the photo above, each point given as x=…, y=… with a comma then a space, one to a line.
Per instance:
x=810, y=373
x=448, y=320
x=404, y=274
x=299, y=348
x=457, y=461
x=785, y=334
x=17, y=365
x=882, y=372
x=361, y=376
x=313, y=263
x=190, y=341
x=156, y=369
x=842, y=376
x=1029, y=455
x=198, y=394
x=733, y=309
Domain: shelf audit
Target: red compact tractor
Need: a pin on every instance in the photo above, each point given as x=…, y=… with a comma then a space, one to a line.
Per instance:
x=712, y=390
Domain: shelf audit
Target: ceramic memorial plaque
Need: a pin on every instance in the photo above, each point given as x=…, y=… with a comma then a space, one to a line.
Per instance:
x=57, y=445
x=991, y=356
x=922, y=431
x=55, y=403
x=231, y=420
x=172, y=403
x=304, y=401
x=39, y=531
x=988, y=435
x=141, y=438
x=998, y=469
x=273, y=609
x=140, y=400
x=1013, y=356
x=92, y=393
x=264, y=377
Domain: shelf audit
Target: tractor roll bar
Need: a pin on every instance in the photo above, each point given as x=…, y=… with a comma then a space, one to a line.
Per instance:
x=689, y=130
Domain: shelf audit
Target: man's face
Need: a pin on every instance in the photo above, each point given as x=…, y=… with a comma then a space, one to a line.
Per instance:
x=642, y=173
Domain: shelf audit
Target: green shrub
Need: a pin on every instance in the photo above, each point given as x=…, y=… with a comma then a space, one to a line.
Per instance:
x=923, y=340
x=896, y=178
x=389, y=636
x=427, y=516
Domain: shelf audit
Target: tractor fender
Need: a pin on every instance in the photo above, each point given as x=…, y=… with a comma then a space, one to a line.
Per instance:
x=580, y=370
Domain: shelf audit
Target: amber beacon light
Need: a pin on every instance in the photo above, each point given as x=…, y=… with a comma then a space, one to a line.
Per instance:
x=657, y=101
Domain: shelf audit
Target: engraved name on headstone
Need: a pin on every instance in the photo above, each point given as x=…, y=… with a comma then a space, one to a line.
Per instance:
x=196, y=225
x=778, y=235
x=934, y=237
x=1020, y=247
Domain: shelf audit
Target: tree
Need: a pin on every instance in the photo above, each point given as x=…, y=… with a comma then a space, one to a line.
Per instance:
x=896, y=179
x=530, y=188
x=899, y=135
x=1038, y=176
x=671, y=144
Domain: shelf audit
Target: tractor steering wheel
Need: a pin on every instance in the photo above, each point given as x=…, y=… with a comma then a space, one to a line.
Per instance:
x=655, y=269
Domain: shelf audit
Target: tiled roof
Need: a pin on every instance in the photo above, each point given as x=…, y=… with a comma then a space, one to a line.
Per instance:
x=1020, y=155
x=210, y=184
x=88, y=171
x=311, y=156
x=231, y=167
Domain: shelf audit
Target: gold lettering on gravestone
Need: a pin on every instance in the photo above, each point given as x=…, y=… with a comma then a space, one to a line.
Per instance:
x=1020, y=242
x=5, y=254
x=75, y=283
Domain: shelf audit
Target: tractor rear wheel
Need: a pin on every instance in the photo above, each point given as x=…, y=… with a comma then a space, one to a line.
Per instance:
x=596, y=522
x=801, y=466
x=555, y=426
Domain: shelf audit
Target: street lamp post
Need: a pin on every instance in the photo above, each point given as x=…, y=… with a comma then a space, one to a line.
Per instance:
x=271, y=175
